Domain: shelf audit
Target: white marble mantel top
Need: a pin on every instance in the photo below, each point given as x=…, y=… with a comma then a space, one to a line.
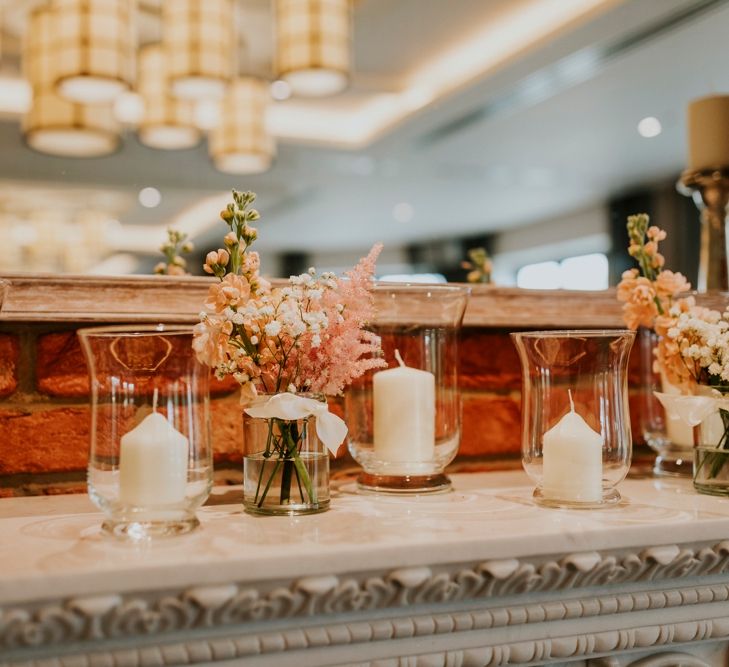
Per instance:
x=53, y=547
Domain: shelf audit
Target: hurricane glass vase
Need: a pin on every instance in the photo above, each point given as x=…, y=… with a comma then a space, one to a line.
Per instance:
x=663, y=430
x=150, y=458
x=576, y=438
x=285, y=465
x=405, y=421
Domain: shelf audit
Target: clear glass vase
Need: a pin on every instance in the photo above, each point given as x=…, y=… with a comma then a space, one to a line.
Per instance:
x=711, y=450
x=285, y=465
x=663, y=429
x=405, y=422
x=576, y=439
x=150, y=458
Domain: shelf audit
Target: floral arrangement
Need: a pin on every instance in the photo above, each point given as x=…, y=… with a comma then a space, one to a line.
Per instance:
x=305, y=338
x=479, y=266
x=173, y=249
x=693, y=347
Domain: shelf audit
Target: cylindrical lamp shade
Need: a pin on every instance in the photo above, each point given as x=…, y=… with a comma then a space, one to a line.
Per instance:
x=168, y=122
x=313, y=45
x=241, y=144
x=54, y=125
x=93, y=48
x=200, y=43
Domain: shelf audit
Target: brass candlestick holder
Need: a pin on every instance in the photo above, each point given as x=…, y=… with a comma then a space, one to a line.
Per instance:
x=709, y=189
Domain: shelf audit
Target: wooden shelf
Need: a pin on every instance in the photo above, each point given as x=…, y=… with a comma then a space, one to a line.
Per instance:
x=89, y=299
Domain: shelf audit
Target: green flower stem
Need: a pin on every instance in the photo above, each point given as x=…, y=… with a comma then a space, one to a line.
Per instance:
x=288, y=468
x=270, y=481
x=717, y=460
x=284, y=446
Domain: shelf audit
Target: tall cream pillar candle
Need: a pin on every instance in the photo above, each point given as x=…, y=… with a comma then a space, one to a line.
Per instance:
x=153, y=464
x=708, y=132
x=572, y=463
x=404, y=414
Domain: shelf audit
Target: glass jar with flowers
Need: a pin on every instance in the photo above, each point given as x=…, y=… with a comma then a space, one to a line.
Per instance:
x=289, y=348
x=690, y=356
x=696, y=357
x=647, y=293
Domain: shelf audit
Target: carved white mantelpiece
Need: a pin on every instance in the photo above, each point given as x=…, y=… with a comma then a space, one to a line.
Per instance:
x=477, y=577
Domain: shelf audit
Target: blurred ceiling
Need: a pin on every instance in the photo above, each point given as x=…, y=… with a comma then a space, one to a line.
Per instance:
x=463, y=117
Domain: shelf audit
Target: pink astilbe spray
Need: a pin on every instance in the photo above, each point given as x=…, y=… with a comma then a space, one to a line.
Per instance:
x=346, y=350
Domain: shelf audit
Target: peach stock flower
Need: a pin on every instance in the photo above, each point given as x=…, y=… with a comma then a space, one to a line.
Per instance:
x=669, y=284
x=211, y=340
x=647, y=293
x=232, y=290
x=639, y=297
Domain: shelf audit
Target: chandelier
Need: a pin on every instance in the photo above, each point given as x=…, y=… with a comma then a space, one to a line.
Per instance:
x=200, y=41
x=55, y=125
x=79, y=59
x=240, y=144
x=313, y=45
x=168, y=122
x=92, y=43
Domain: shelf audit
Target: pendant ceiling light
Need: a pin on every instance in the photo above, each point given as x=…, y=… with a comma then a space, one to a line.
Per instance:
x=240, y=144
x=168, y=122
x=94, y=49
x=313, y=45
x=54, y=125
x=200, y=44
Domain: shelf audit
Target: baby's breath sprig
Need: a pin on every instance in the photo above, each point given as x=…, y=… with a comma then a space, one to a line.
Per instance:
x=172, y=249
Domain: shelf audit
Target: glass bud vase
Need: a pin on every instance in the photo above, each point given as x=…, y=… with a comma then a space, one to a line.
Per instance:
x=711, y=450
x=150, y=459
x=576, y=439
x=285, y=465
x=405, y=421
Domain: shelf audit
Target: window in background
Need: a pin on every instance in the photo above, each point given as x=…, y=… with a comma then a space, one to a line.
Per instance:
x=584, y=272
x=413, y=278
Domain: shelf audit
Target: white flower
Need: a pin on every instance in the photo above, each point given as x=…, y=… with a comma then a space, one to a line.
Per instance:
x=291, y=388
x=254, y=340
x=314, y=294
x=273, y=328
x=316, y=340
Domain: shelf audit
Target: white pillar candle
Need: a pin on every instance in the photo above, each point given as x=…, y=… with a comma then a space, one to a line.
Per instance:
x=404, y=414
x=153, y=464
x=572, y=464
x=708, y=132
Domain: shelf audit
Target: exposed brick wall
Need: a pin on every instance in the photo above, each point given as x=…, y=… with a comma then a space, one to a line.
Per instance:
x=9, y=353
x=45, y=416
